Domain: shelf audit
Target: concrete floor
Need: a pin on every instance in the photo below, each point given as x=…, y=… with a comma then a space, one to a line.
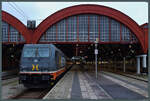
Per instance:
x=11, y=88
x=80, y=83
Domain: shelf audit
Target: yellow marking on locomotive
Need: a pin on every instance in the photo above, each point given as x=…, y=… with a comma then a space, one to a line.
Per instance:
x=33, y=67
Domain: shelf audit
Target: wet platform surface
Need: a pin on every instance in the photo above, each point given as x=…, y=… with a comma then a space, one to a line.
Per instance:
x=80, y=83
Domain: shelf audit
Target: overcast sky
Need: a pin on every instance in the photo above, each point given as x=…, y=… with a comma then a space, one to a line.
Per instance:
x=38, y=11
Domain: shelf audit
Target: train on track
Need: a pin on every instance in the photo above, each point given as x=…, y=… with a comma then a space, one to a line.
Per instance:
x=41, y=65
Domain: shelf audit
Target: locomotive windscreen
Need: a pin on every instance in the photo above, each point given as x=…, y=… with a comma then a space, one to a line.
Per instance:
x=36, y=52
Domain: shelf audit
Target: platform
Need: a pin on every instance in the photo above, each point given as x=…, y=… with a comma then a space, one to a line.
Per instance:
x=80, y=83
x=11, y=88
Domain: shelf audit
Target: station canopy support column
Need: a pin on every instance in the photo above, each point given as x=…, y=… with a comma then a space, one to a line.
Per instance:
x=96, y=53
x=124, y=64
x=144, y=60
x=138, y=64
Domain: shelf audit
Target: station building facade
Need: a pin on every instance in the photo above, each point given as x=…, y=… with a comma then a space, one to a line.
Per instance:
x=80, y=24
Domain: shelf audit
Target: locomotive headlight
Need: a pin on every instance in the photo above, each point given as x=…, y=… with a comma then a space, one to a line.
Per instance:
x=45, y=70
x=35, y=60
x=23, y=77
x=44, y=67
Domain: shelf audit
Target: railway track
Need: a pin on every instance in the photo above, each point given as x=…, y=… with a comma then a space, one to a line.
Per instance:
x=9, y=75
x=32, y=94
x=35, y=93
x=134, y=77
x=129, y=76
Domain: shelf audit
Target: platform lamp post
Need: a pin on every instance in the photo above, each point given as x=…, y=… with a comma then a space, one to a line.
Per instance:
x=96, y=52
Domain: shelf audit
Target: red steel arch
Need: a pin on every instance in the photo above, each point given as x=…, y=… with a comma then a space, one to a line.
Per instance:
x=145, y=34
x=90, y=9
x=13, y=21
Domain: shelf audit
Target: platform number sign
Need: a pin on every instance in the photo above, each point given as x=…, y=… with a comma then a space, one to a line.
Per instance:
x=96, y=51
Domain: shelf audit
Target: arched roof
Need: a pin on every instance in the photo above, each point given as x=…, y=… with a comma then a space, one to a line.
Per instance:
x=90, y=9
x=13, y=21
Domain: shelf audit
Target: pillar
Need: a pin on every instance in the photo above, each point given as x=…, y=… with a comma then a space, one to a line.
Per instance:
x=138, y=65
x=124, y=64
x=144, y=61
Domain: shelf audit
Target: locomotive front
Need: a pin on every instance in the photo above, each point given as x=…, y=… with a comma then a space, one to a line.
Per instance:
x=35, y=65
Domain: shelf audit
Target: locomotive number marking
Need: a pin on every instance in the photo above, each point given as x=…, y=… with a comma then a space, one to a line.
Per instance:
x=33, y=67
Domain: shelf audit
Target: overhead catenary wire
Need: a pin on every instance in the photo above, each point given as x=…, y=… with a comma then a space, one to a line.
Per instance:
x=18, y=10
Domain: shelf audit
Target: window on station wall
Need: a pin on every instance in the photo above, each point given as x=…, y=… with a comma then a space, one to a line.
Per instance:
x=72, y=28
x=83, y=28
x=4, y=32
x=50, y=35
x=104, y=29
x=61, y=31
x=13, y=35
x=115, y=31
x=88, y=24
x=125, y=34
x=93, y=27
x=21, y=38
x=133, y=38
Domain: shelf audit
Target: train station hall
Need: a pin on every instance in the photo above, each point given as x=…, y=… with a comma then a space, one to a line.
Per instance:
x=105, y=51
